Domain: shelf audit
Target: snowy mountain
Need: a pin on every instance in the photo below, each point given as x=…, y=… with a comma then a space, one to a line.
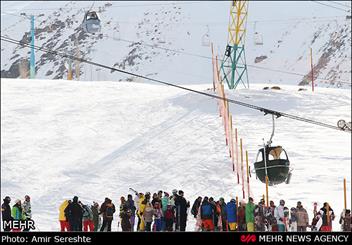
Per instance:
x=97, y=139
x=164, y=40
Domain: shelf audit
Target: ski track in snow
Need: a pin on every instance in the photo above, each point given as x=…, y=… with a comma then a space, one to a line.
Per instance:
x=97, y=139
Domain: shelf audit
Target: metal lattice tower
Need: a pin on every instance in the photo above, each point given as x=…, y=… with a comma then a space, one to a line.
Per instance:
x=233, y=66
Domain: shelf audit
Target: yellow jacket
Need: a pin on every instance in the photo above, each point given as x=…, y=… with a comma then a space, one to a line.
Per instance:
x=62, y=207
x=141, y=206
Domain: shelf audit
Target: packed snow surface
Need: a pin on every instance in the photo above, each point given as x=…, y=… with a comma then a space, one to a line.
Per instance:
x=97, y=139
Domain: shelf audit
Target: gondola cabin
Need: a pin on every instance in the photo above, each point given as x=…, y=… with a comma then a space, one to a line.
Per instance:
x=91, y=22
x=277, y=165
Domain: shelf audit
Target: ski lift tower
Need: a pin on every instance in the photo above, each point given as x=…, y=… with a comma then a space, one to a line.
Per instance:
x=233, y=66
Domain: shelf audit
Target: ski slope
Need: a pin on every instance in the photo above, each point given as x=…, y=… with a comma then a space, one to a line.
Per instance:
x=96, y=139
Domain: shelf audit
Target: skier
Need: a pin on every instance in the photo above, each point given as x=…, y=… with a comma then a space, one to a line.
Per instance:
x=206, y=214
x=328, y=217
x=345, y=220
x=27, y=210
x=293, y=219
x=17, y=213
x=74, y=212
x=148, y=216
x=279, y=215
x=95, y=213
x=132, y=208
x=169, y=217
x=302, y=218
x=158, y=214
x=108, y=210
x=231, y=211
x=6, y=212
x=250, y=215
x=223, y=214
x=241, y=216
x=181, y=211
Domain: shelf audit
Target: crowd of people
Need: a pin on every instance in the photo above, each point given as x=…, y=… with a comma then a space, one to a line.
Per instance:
x=169, y=212
x=218, y=215
x=19, y=212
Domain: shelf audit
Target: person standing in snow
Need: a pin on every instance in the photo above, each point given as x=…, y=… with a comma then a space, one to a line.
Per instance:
x=172, y=202
x=125, y=219
x=27, y=210
x=164, y=203
x=231, y=210
x=108, y=210
x=206, y=214
x=74, y=212
x=17, y=213
x=96, y=218
x=279, y=215
x=6, y=212
x=64, y=224
x=215, y=214
x=327, y=217
x=158, y=214
x=130, y=206
x=293, y=219
x=181, y=210
x=345, y=220
x=195, y=207
x=87, y=218
x=148, y=216
x=259, y=216
x=223, y=214
x=137, y=200
x=169, y=218
x=250, y=215
x=122, y=208
x=241, y=214
x=302, y=218
x=142, y=205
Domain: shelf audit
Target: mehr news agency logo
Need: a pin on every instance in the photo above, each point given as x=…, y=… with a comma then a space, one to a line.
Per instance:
x=16, y=219
x=295, y=238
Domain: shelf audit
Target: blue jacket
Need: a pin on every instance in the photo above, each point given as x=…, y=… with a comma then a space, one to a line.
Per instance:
x=206, y=211
x=231, y=210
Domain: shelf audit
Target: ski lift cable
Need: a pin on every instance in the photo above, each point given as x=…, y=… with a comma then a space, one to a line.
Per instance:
x=329, y=6
x=221, y=60
x=341, y=4
x=254, y=107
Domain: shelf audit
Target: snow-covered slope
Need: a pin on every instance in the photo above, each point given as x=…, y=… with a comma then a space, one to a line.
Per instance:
x=138, y=36
x=97, y=139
